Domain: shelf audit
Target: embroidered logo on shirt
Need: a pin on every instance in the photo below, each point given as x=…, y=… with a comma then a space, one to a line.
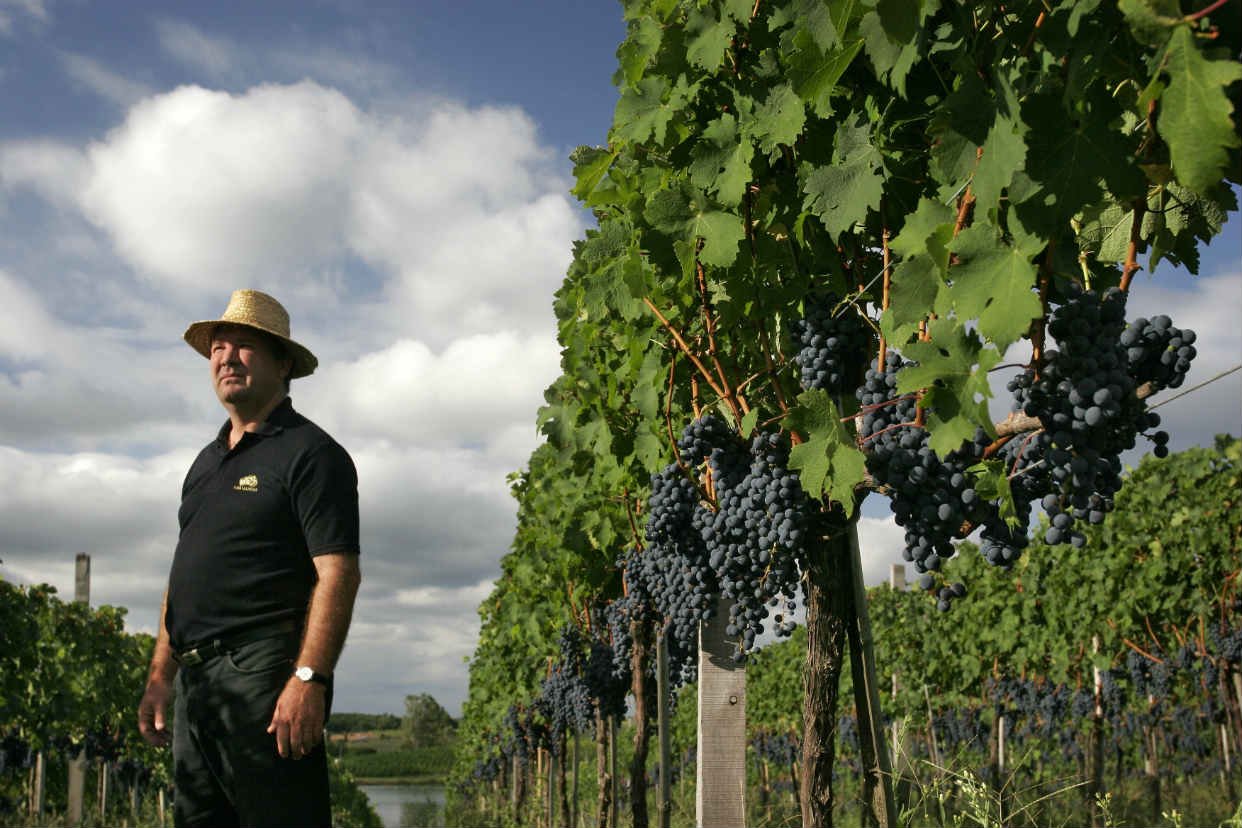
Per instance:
x=249, y=483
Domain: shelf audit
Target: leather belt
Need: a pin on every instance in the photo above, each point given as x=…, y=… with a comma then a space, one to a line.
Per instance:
x=196, y=655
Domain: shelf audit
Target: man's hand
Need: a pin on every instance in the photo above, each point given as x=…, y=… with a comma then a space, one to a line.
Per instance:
x=298, y=720
x=151, y=711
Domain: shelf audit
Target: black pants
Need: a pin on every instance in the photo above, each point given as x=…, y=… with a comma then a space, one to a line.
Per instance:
x=226, y=771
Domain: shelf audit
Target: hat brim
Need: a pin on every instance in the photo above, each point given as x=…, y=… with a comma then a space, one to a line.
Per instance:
x=199, y=334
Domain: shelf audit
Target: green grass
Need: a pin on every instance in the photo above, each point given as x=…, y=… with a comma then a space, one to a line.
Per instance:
x=387, y=756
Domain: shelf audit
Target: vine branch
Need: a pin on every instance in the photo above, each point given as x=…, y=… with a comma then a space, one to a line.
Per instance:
x=681, y=343
x=1136, y=236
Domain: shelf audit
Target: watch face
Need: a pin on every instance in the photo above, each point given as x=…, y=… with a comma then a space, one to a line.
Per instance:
x=304, y=673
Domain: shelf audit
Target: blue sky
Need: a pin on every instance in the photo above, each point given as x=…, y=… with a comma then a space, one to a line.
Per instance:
x=397, y=175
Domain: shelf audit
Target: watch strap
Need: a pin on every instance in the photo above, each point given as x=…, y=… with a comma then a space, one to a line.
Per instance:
x=320, y=678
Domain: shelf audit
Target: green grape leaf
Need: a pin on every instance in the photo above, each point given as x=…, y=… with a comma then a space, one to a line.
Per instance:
x=721, y=232
x=928, y=230
x=779, y=120
x=915, y=286
x=1151, y=21
x=991, y=482
x=1194, y=113
x=892, y=31
x=619, y=288
x=841, y=193
x=649, y=450
x=649, y=383
x=993, y=282
x=953, y=369
x=640, y=46
x=590, y=166
x=708, y=38
x=1004, y=151
x=748, y=422
x=815, y=74
x=668, y=210
x=829, y=463
x=815, y=19
x=643, y=111
x=1069, y=152
x=958, y=128
x=721, y=162
x=608, y=243
x=1106, y=233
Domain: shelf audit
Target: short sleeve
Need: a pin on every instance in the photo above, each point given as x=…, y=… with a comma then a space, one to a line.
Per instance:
x=324, y=491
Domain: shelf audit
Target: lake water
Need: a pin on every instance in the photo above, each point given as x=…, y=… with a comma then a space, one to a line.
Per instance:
x=407, y=806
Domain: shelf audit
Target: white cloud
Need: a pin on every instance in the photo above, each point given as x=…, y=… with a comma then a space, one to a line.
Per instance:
x=54, y=170
x=457, y=397
x=223, y=60
x=461, y=213
x=203, y=188
x=191, y=46
x=34, y=9
x=102, y=81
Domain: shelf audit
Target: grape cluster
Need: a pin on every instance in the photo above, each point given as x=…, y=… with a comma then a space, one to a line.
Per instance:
x=621, y=641
x=1084, y=397
x=564, y=695
x=604, y=686
x=834, y=340
x=674, y=568
x=747, y=547
x=15, y=753
x=757, y=538
x=1149, y=678
x=1157, y=352
x=931, y=497
x=1226, y=642
x=779, y=748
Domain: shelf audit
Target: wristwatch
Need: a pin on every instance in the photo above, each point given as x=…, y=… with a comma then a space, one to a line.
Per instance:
x=308, y=674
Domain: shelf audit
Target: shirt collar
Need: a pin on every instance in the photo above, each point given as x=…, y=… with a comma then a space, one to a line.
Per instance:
x=273, y=425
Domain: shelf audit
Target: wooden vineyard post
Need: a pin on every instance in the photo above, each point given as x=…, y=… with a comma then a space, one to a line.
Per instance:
x=573, y=811
x=1096, y=787
x=1151, y=767
x=77, y=765
x=562, y=781
x=931, y=732
x=537, y=784
x=877, y=768
x=37, y=786
x=514, y=783
x=603, y=779
x=1226, y=770
x=103, y=792
x=720, y=798
x=664, y=803
x=162, y=805
x=553, y=761
x=900, y=736
x=614, y=806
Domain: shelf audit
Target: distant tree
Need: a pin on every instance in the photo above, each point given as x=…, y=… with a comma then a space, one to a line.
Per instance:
x=358, y=722
x=426, y=723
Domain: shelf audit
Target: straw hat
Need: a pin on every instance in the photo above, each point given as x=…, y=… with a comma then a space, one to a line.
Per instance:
x=261, y=312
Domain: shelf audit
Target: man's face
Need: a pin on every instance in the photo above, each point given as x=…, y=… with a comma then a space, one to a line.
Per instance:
x=244, y=371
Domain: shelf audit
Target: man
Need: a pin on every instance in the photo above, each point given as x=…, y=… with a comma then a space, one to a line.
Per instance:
x=261, y=589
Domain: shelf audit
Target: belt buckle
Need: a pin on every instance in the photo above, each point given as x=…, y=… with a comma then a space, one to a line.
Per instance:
x=191, y=658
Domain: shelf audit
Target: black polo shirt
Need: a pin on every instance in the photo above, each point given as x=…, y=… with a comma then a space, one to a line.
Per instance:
x=252, y=517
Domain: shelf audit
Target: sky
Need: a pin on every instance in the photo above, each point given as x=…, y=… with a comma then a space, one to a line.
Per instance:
x=397, y=175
